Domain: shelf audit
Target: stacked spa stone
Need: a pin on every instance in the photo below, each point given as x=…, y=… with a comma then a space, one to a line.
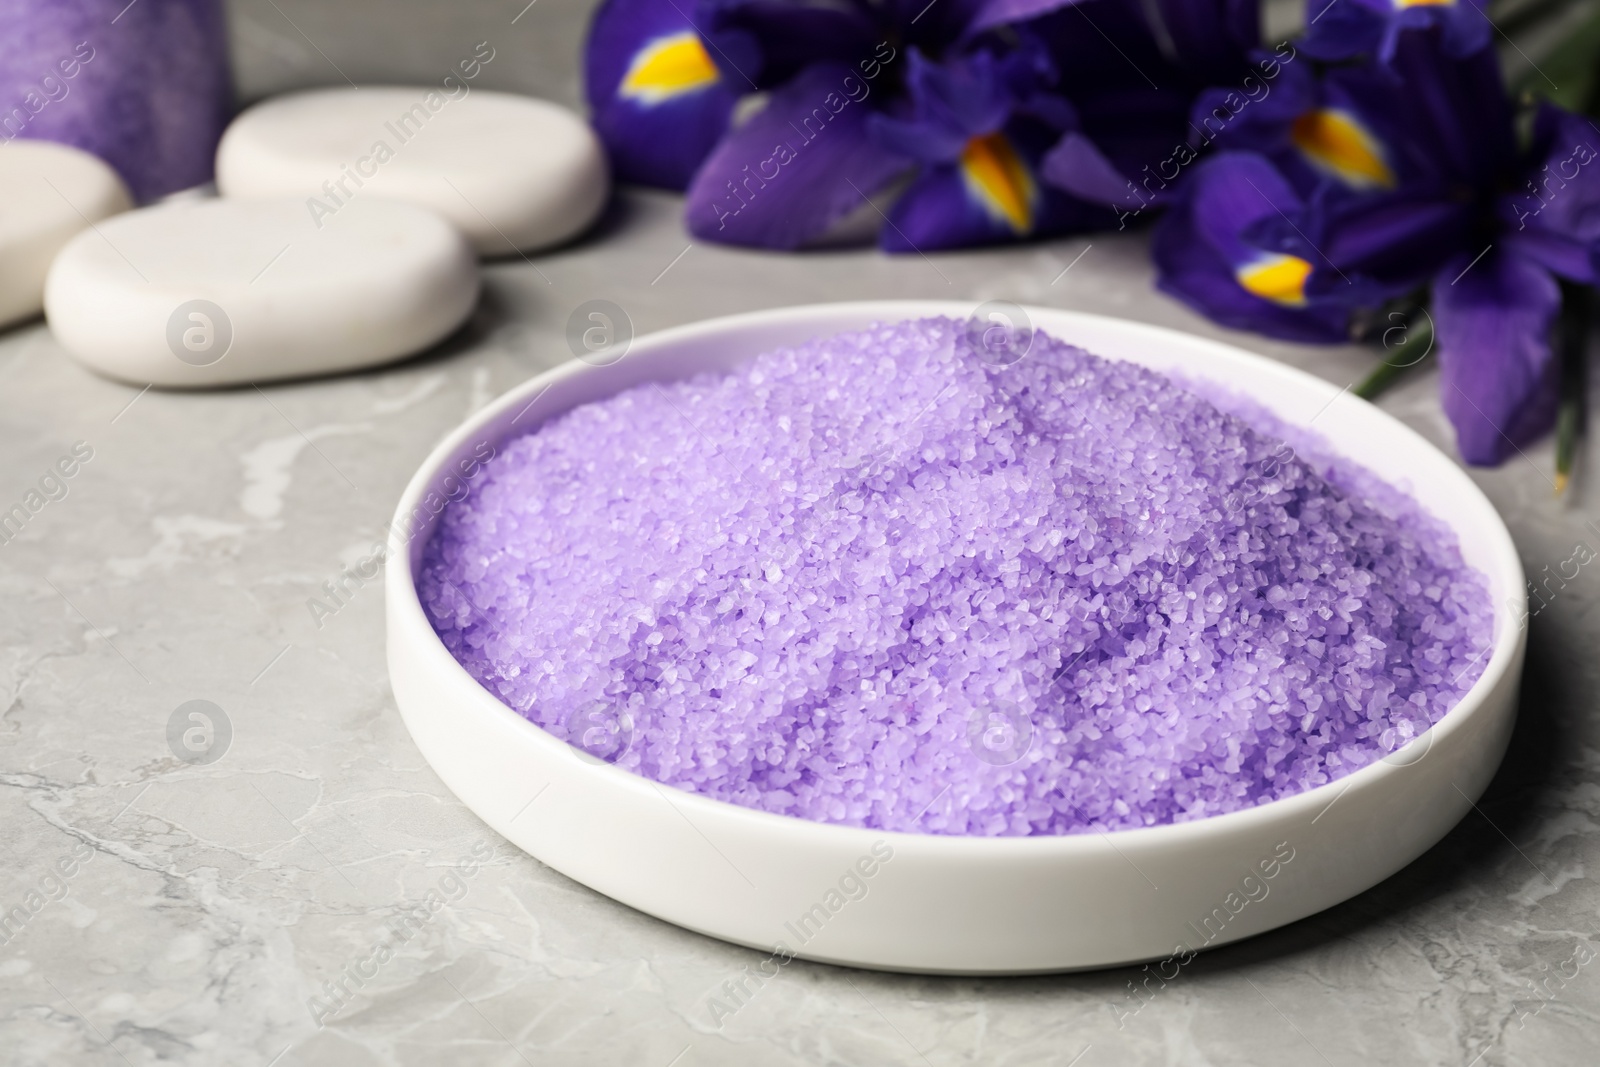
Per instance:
x=874, y=581
x=350, y=221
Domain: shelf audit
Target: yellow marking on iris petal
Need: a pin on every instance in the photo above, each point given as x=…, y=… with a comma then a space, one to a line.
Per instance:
x=1423, y=3
x=669, y=67
x=1279, y=278
x=999, y=180
x=1336, y=142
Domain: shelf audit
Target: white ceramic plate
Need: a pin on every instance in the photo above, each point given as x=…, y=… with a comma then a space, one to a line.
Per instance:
x=919, y=902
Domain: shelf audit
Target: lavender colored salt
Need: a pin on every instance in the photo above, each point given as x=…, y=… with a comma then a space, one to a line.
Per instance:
x=874, y=581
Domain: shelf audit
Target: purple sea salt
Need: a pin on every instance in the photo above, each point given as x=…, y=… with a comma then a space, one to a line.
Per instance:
x=872, y=580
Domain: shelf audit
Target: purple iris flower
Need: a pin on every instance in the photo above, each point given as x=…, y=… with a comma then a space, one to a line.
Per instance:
x=948, y=104
x=862, y=97
x=979, y=125
x=1374, y=181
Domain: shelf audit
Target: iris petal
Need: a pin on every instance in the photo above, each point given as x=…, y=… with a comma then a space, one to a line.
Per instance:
x=1128, y=150
x=999, y=180
x=992, y=13
x=1555, y=216
x=990, y=196
x=1498, y=373
x=1200, y=250
x=667, y=67
x=793, y=168
x=1392, y=241
x=949, y=103
x=1078, y=165
x=1337, y=143
x=1278, y=277
x=762, y=44
x=654, y=100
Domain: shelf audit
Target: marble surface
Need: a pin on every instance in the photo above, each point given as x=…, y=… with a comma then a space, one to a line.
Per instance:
x=221, y=896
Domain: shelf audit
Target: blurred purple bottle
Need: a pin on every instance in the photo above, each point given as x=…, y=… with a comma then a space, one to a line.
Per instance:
x=144, y=86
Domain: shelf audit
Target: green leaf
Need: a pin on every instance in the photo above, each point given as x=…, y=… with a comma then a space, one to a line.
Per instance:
x=1569, y=73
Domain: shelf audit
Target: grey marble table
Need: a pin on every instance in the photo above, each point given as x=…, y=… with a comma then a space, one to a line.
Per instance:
x=199, y=913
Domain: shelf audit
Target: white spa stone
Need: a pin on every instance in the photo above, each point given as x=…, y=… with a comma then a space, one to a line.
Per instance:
x=219, y=292
x=514, y=173
x=48, y=194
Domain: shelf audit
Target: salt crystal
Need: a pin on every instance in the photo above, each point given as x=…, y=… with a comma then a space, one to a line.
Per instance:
x=864, y=545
